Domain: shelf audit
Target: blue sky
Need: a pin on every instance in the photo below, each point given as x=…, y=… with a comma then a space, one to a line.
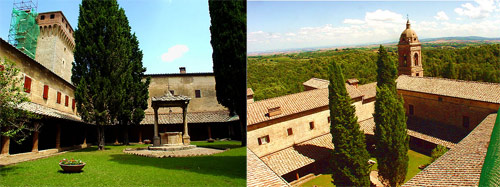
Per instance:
x=299, y=24
x=171, y=33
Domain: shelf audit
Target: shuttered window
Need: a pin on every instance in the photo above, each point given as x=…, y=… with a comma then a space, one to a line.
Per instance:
x=66, y=101
x=73, y=105
x=45, y=91
x=59, y=97
x=27, y=84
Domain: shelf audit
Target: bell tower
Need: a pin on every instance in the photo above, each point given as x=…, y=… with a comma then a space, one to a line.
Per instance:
x=409, y=53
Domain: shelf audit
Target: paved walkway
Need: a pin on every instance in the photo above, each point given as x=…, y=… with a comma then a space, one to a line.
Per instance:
x=23, y=157
x=198, y=151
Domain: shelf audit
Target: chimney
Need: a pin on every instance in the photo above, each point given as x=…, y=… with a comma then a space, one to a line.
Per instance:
x=249, y=95
x=274, y=111
x=182, y=70
x=353, y=82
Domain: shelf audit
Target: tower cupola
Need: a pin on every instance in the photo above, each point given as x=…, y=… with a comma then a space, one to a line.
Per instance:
x=410, y=53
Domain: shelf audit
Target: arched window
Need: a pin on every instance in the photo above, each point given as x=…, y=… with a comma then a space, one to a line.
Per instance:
x=405, y=61
x=416, y=59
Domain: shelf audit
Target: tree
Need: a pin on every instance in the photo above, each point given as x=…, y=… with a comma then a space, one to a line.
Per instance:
x=391, y=138
x=228, y=30
x=450, y=71
x=134, y=100
x=349, y=157
x=13, y=121
x=386, y=69
x=102, y=41
x=438, y=152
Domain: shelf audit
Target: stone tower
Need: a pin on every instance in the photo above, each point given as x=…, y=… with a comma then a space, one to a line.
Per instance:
x=410, y=53
x=55, y=43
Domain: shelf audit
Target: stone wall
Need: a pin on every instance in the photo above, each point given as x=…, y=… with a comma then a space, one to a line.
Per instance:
x=447, y=110
x=40, y=77
x=186, y=84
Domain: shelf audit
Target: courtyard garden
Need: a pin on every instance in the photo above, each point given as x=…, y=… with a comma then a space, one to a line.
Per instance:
x=416, y=159
x=112, y=167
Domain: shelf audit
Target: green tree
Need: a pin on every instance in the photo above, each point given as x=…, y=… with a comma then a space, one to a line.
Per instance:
x=228, y=30
x=349, y=157
x=13, y=121
x=438, y=152
x=386, y=70
x=450, y=71
x=102, y=41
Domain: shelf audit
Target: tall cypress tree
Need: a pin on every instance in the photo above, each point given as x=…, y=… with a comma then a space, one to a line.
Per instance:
x=102, y=41
x=391, y=138
x=349, y=157
x=228, y=30
x=386, y=69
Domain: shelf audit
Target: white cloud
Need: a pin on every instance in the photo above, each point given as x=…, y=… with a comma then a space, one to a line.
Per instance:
x=441, y=16
x=353, y=21
x=174, y=52
x=383, y=15
x=482, y=10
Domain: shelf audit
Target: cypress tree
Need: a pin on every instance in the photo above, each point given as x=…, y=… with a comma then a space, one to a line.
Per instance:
x=349, y=157
x=391, y=139
x=228, y=39
x=102, y=41
x=386, y=69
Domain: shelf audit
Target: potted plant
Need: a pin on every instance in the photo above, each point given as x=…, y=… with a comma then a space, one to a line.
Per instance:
x=71, y=165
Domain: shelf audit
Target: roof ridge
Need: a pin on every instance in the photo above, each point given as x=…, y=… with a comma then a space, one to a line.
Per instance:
x=455, y=80
x=288, y=95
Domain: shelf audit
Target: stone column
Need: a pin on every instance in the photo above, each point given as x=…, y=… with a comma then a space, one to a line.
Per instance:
x=185, y=137
x=209, y=134
x=84, y=144
x=156, y=138
x=58, y=137
x=35, y=142
x=4, y=144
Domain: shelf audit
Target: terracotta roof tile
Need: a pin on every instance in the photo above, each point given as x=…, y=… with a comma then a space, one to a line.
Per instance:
x=299, y=155
x=368, y=90
x=292, y=104
x=169, y=97
x=461, y=165
x=368, y=126
x=259, y=174
x=316, y=83
x=249, y=91
x=46, y=111
x=479, y=91
x=193, y=117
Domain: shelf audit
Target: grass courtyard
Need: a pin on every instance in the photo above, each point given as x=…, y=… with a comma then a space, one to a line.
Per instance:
x=416, y=159
x=112, y=167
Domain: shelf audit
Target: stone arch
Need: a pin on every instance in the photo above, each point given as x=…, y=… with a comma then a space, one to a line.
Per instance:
x=415, y=57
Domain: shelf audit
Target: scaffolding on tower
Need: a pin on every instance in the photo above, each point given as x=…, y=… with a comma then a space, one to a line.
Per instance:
x=24, y=31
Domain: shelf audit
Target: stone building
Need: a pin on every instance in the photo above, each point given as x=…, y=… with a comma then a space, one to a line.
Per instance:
x=290, y=134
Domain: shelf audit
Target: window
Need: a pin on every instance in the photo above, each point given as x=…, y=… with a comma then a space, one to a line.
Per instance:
x=73, y=105
x=172, y=92
x=27, y=84
x=62, y=19
x=311, y=125
x=66, y=101
x=410, y=109
x=42, y=17
x=263, y=140
x=416, y=59
x=329, y=120
x=289, y=131
x=465, y=122
x=45, y=91
x=58, y=98
x=440, y=99
x=417, y=74
x=197, y=93
x=404, y=61
x=52, y=16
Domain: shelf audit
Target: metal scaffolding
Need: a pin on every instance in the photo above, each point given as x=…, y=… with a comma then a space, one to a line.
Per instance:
x=24, y=31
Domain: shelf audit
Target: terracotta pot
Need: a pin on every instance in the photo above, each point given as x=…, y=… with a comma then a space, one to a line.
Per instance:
x=72, y=168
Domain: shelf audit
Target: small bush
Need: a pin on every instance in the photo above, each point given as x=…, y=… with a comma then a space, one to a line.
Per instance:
x=437, y=152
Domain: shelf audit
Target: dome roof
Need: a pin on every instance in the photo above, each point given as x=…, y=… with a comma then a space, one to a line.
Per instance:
x=408, y=35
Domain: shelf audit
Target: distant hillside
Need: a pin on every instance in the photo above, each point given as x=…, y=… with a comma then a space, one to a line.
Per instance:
x=458, y=39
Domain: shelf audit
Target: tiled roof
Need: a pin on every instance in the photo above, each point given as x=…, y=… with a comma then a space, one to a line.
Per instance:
x=461, y=165
x=317, y=83
x=368, y=90
x=368, y=126
x=249, y=91
x=192, y=117
x=292, y=104
x=169, y=97
x=352, y=81
x=299, y=155
x=259, y=174
x=46, y=111
x=479, y=91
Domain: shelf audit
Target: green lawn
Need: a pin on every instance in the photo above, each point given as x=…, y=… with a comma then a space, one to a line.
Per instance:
x=114, y=168
x=416, y=159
